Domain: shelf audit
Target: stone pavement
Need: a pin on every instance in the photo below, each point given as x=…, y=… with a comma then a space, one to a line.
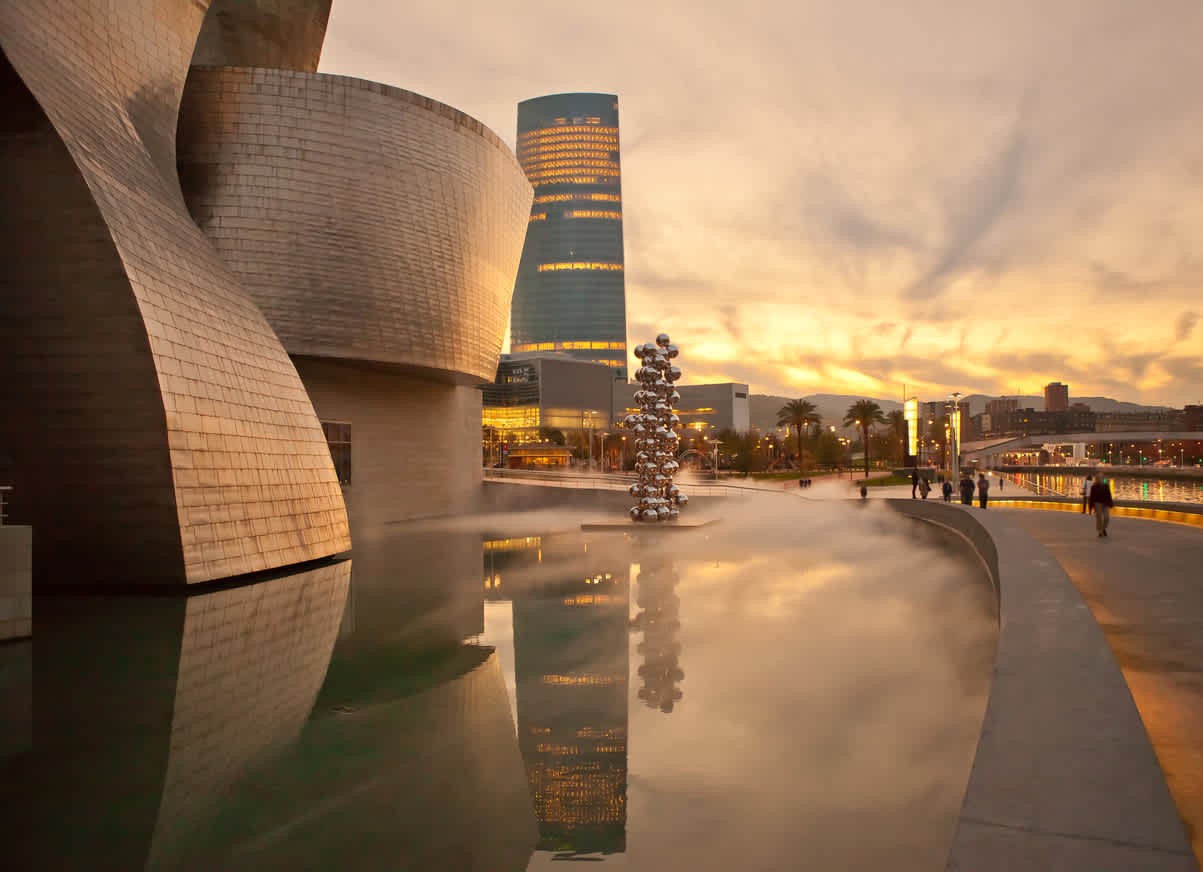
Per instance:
x=1144, y=585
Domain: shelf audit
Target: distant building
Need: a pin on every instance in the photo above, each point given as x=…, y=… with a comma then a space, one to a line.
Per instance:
x=1079, y=407
x=1029, y=422
x=1192, y=418
x=1150, y=420
x=570, y=294
x=704, y=409
x=1056, y=397
x=545, y=390
x=1001, y=405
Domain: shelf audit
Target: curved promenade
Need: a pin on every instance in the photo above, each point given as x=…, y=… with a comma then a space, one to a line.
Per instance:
x=1143, y=585
x=1065, y=776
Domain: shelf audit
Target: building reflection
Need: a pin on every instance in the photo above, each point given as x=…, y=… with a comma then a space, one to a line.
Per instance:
x=570, y=619
x=146, y=710
x=321, y=720
x=659, y=620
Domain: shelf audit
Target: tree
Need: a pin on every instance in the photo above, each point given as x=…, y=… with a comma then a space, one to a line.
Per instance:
x=552, y=435
x=864, y=414
x=741, y=448
x=798, y=414
x=897, y=421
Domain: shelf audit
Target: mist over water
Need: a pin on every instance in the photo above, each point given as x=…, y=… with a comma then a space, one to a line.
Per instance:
x=798, y=685
x=835, y=662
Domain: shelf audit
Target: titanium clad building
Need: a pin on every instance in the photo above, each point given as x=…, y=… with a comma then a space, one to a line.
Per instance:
x=570, y=295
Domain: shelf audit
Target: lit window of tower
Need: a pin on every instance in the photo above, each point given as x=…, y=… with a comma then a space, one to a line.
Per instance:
x=570, y=295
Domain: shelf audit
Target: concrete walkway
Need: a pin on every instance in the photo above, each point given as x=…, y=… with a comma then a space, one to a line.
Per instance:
x=1144, y=585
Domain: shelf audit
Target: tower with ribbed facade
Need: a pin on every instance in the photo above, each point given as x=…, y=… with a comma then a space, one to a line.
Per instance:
x=570, y=294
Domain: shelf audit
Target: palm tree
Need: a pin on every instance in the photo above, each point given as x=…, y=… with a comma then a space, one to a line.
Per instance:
x=797, y=414
x=864, y=414
x=897, y=421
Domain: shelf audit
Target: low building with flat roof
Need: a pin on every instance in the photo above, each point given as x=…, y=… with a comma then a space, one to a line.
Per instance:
x=704, y=408
x=546, y=390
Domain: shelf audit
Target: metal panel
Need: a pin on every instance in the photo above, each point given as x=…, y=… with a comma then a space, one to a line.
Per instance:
x=368, y=222
x=159, y=431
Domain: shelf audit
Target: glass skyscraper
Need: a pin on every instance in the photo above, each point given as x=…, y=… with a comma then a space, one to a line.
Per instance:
x=570, y=295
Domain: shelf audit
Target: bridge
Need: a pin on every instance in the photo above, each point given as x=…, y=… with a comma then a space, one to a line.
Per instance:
x=988, y=451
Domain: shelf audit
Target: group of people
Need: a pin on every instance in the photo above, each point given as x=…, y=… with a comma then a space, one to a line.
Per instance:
x=804, y=482
x=1096, y=497
x=923, y=487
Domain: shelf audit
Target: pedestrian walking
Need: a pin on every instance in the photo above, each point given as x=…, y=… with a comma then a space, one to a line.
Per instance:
x=864, y=491
x=924, y=488
x=947, y=488
x=966, y=489
x=1086, y=485
x=983, y=490
x=1100, y=504
x=914, y=482
x=1001, y=481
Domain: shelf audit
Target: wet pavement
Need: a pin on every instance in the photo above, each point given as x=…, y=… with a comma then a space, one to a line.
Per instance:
x=1144, y=586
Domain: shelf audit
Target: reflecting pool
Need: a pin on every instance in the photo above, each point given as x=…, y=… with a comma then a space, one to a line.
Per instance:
x=798, y=685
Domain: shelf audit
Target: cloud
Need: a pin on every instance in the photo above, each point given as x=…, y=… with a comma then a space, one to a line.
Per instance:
x=996, y=181
x=1185, y=325
x=984, y=203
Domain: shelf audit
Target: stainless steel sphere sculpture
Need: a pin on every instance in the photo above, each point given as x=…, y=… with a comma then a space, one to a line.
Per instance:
x=655, y=428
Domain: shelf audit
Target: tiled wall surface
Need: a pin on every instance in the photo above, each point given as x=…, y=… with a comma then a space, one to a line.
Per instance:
x=163, y=433
x=369, y=223
x=415, y=443
x=263, y=33
x=16, y=591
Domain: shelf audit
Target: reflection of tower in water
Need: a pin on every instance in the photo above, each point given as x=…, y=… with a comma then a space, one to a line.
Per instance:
x=571, y=662
x=659, y=619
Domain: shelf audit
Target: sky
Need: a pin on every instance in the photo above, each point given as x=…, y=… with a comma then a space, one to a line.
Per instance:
x=850, y=196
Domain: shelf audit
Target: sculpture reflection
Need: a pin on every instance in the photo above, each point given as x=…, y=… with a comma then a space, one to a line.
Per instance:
x=659, y=620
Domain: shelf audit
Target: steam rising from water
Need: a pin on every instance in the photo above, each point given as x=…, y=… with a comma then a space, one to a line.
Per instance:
x=837, y=661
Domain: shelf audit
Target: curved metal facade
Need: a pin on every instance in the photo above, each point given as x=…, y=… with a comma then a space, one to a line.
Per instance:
x=570, y=296
x=369, y=223
x=287, y=34
x=159, y=431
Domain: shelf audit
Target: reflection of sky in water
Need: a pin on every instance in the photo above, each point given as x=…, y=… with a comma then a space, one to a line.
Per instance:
x=836, y=667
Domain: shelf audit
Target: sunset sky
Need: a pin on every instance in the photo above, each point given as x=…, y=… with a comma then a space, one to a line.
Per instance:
x=845, y=195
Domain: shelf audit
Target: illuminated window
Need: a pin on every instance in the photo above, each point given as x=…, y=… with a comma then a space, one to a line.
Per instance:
x=510, y=417
x=338, y=438
x=584, y=680
x=563, y=198
x=538, y=167
x=578, y=265
x=593, y=213
x=562, y=129
x=538, y=216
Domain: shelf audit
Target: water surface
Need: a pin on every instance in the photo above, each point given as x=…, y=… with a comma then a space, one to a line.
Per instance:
x=799, y=685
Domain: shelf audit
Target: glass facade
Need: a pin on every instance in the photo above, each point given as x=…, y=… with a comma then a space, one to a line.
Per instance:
x=570, y=295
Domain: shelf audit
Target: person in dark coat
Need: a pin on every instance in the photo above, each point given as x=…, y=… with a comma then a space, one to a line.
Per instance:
x=914, y=482
x=966, y=490
x=947, y=488
x=983, y=490
x=1100, y=504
